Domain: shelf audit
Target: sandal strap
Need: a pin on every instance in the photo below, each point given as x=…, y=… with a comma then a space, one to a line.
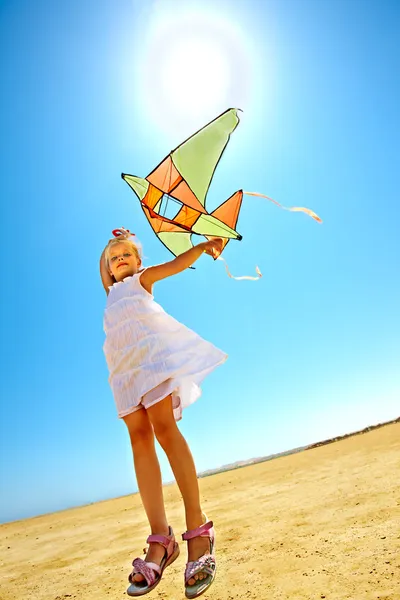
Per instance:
x=160, y=539
x=153, y=566
x=148, y=570
x=205, y=564
x=167, y=541
x=151, y=570
x=202, y=531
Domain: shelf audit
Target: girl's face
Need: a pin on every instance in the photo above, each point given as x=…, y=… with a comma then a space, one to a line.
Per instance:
x=123, y=262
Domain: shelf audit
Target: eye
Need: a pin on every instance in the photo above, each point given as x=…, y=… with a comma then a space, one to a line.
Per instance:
x=113, y=258
x=127, y=254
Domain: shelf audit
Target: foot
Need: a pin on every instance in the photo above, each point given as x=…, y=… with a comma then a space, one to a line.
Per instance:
x=201, y=566
x=155, y=554
x=147, y=574
x=198, y=547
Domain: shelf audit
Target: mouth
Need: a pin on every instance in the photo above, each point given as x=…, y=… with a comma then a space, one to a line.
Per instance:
x=122, y=265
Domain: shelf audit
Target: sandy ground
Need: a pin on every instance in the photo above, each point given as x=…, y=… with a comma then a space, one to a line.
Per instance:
x=324, y=523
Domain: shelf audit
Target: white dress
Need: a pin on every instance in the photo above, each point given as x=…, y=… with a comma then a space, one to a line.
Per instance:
x=150, y=354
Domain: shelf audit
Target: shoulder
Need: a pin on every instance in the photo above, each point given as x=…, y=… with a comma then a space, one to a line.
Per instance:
x=145, y=279
x=155, y=273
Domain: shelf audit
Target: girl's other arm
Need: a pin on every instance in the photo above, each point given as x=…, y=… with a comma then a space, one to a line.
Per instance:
x=179, y=264
x=105, y=275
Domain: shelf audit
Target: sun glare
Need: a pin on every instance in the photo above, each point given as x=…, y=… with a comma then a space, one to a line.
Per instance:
x=195, y=64
x=202, y=67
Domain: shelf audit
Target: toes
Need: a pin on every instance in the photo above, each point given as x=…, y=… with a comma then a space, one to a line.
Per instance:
x=197, y=577
x=138, y=577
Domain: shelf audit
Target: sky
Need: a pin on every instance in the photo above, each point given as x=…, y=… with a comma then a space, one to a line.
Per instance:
x=92, y=89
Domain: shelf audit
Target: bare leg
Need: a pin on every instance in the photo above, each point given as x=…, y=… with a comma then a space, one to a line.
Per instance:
x=149, y=480
x=182, y=463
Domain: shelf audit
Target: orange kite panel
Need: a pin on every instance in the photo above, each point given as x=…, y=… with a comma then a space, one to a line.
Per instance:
x=228, y=212
x=187, y=216
x=165, y=176
x=183, y=193
x=152, y=196
x=162, y=224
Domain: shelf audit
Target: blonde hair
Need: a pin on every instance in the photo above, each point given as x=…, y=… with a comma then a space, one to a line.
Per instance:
x=121, y=240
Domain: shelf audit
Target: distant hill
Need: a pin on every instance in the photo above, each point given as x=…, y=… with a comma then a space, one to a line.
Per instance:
x=360, y=432
x=252, y=461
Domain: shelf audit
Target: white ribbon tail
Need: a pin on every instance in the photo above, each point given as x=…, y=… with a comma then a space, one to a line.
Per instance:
x=259, y=274
x=307, y=211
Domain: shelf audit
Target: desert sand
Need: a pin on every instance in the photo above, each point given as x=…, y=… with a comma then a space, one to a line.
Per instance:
x=324, y=523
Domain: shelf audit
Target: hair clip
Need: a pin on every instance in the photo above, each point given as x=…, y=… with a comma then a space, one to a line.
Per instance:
x=121, y=232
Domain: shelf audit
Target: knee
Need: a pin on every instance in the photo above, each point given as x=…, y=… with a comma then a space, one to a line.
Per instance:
x=140, y=433
x=141, y=437
x=166, y=432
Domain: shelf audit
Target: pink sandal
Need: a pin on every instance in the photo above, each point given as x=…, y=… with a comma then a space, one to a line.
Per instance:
x=204, y=564
x=151, y=572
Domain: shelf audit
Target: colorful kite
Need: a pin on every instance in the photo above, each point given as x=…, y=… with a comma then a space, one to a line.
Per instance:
x=173, y=196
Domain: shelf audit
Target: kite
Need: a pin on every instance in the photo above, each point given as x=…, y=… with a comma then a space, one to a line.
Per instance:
x=173, y=196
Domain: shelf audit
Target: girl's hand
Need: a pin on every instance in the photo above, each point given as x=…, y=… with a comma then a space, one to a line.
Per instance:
x=212, y=247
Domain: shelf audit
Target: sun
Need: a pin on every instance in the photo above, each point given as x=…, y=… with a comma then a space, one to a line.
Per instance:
x=203, y=75
x=194, y=65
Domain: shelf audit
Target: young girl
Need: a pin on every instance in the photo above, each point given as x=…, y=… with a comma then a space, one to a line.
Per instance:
x=156, y=365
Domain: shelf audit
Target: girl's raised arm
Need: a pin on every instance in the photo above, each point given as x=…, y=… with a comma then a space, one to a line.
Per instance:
x=104, y=274
x=180, y=263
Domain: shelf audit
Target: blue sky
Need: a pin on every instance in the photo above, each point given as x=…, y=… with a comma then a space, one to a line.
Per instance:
x=91, y=89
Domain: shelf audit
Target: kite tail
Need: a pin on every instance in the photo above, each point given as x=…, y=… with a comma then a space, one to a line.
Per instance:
x=243, y=276
x=307, y=211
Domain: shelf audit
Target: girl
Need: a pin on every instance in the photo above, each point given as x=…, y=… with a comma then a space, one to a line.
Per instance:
x=156, y=365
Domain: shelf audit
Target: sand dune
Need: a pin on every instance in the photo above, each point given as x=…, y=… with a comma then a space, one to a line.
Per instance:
x=324, y=523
